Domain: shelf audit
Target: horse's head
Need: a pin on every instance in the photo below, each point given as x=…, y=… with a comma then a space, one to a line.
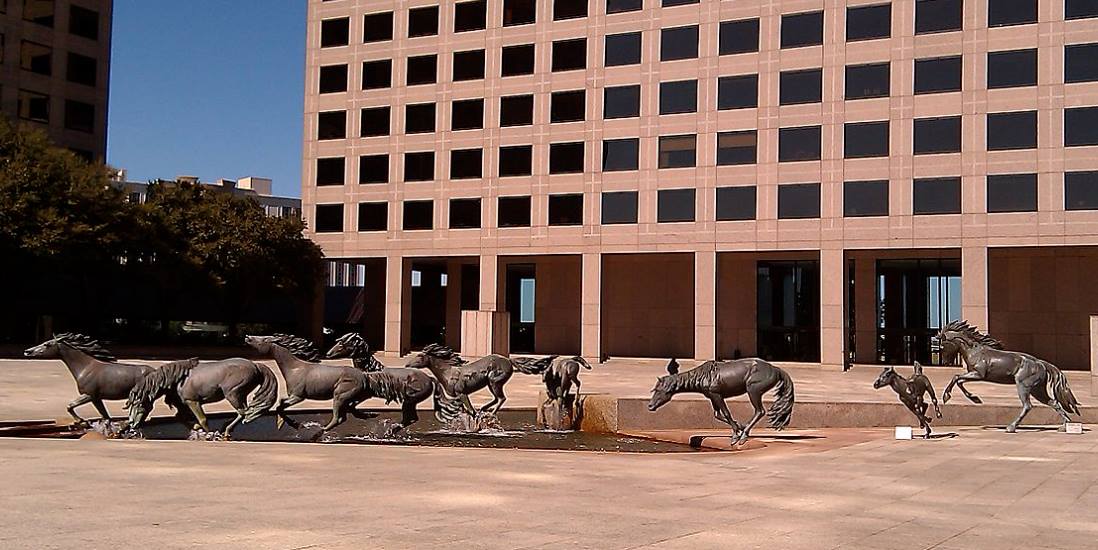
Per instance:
x=351, y=344
x=85, y=344
x=261, y=344
x=49, y=349
x=885, y=379
x=432, y=354
x=662, y=392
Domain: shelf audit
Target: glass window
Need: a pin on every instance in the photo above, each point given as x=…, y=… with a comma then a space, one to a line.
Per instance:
x=35, y=106
x=867, y=81
x=566, y=158
x=738, y=92
x=675, y=205
x=865, y=139
x=467, y=114
x=470, y=16
x=620, y=154
x=84, y=22
x=938, y=16
x=1012, y=69
x=569, y=55
x=80, y=69
x=419, y=215
x=868, y=22
x=623, y=49
x=620, y=6
x=798, y=200
x=331, y=125
x=677, y=151
x=1081, y=126
x=329, y=171
x=1080, y=9
x=936, y=195
x=373, y=169
x=36, y=58
x=621, y=102
x=333, y=79
x=1001, y=13
x=678, y=97
x=567, y=106
x=672, y=3
x=513, y=212
x=419, y=118
x=39, y=11
x=1016, y=130
x=373, y=216
x=679, y=43
x=937, y=135
x=798, y=87
x=517, y=60
x=1081, y=63
x=516, y=110
x=468, y=65
x=740, y=147
x=422, y=21
x=465, y=213
x=941, y=74
x=422, y=69
x=566, y=209
x=739, y=36
x=516, y=160
x=419, y=166
x=569, y=9
x=1012, y=193
x=865, y=198
x=377, y=27
x=329, y=218
x=1081, y=190
x=377, y=74
x=736, y=203
x=519, y=12
x=799, y=143
x=465, y=164
x=619, y=207
x=79, y=116
x=333, y=32
x=802, y=29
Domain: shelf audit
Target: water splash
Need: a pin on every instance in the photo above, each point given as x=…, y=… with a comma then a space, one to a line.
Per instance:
x=115, y=430
x=202, y=435
x=484, y=423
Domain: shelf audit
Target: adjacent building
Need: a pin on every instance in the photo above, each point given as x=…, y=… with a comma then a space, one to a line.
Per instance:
x=801, y=180
x=258, y=189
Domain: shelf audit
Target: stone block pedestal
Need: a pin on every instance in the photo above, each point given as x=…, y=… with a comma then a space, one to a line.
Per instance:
x=485, y=332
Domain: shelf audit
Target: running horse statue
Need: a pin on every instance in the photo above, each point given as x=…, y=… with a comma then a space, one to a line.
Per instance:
x=561, y=409
x=98, y=375
x=911, y=391
x=354, y=346
x=458, y=378
x=719, y=380
x=985, y=360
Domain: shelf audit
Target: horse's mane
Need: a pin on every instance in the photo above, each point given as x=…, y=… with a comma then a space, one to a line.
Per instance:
x=85, y=344
x=444, y=353
x=158, y=381
x=301, y=348
x=360, y=352
x=702, y=376
x=386, y=386
x=971, y=334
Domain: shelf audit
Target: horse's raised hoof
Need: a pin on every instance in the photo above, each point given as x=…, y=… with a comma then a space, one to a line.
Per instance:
x=1011, y=429
x=946, y=397
x=1063, y=428
x=279, y=422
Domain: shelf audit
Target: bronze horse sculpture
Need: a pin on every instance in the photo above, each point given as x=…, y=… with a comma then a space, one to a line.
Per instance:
x=458, y=378
x=910, y=392
x=986, y=361
x=352, y=345
x=98, y=375
x=560, y=375
x=194, y=384
x=719, y=380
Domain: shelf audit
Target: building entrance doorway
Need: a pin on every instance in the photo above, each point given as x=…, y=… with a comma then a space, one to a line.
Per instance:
x=521, y=292
x=788, y=310
x=428, y=312
x=915, y=298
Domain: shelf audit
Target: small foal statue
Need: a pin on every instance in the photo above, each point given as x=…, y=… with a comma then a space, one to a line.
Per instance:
x=910, y=392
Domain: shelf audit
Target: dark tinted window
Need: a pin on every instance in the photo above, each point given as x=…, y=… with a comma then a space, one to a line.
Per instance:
x=671, y=3
x=941, y=74
x=1012, y=193
x=567, y=106
x=677, y=151
x=868, y=22
x=422, y=69
x=516, y=110
x=465, y=164
x=802, y=29
x=620, y=154
x=333, y=79
x=377, y=27
x=517, y=60
x=373, y=169
x=569, y=55
x=36, y=58
x=1011, y=69
x=469, y=65
x=1081, y=62
x=419, y=215
x=1012, y=130
x=798, y=200
x=470, y=16
x=566, y=158
x=739, y=147
x=1001, y=13
x=464, y=213
x=619, y=207
x=800, y=86
x=375, y=121
x=377, y=74
x=937, y=135
x=569, y=9
x=513, y=212
x=516, y=160
x=419, y=118
x=335, y=32
x=675, y=205
x=565, y=209
x=936, y=196
x=81, y=69
x=623, y=49
x=865, y=139
x=331, y=125
x=736, y=203
x=373, y=216
x=423, y=21
x=84, y=22
x=865, y=198
x=938, y=16
x=739, y=36
x=36, y=106
x=419, y=166
x=738, y=92
x=867, y=81
x=37, y=11
x=679, y=43
x=1081, y=191
x=1081, y=126
x=467, y=114
x=329, y=218
x=619, y=6
x=1080, y=9
x=329, y=171
x=621, y=102
x=79, y=116
x=519, y=12
x=678, y=97
x=796, y=144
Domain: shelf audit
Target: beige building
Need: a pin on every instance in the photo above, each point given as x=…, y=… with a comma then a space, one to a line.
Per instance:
x=55, y=69
x=257, y=189
x=803, y=180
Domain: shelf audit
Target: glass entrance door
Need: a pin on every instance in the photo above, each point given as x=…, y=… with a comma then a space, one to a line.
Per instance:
x=788, y=310
x=521, y=301
x=915, y=298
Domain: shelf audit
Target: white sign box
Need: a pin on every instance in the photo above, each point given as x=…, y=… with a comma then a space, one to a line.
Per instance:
x=903, y=432
x=1074, y=428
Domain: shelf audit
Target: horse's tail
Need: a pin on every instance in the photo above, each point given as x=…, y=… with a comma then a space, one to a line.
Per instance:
x=530, y=365
x=583, y=362
x=265, y=396
x=446, y=408
x=782, y=408
x=1059, y=390
x=158, y=382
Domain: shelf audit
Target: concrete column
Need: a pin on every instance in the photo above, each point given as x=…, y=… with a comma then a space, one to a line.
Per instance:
x=705, y=305
x=590, y=306
x=394, y=310
x=1094, y=354
x=489, y=282
x=974, y=286
x=832, y=318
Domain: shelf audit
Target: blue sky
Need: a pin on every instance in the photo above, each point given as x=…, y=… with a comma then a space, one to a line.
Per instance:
x=210, y=88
